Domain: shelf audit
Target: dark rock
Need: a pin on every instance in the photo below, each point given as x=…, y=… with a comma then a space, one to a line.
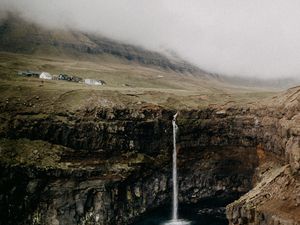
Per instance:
x=119, y=163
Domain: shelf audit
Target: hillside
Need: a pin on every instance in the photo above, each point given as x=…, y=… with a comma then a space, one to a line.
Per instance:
x=132, y=74
x=20, y=36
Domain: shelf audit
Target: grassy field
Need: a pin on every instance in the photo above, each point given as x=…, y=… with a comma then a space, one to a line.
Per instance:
x=128, y=84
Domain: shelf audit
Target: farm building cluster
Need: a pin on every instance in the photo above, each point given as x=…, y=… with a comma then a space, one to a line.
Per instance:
x=64, y=77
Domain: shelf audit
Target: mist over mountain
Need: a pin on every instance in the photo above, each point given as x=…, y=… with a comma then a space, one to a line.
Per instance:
x=282, y=83
x=32, y=27
x=20, y=36
x=240, y=38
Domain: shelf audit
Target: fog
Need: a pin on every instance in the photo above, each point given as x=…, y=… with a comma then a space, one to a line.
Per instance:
x=247, y=38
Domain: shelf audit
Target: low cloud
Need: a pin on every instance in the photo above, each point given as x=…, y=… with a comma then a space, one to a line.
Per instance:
x=249, y=38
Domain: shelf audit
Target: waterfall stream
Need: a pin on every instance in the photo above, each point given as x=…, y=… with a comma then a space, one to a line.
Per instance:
x=175, y=220
x=174, y=171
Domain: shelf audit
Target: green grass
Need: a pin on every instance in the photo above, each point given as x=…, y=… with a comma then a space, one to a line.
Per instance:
x=25, y=152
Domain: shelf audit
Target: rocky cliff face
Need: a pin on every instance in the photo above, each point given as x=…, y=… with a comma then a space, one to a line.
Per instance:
x=108, y=166
x=113, y=165
x=275, y=196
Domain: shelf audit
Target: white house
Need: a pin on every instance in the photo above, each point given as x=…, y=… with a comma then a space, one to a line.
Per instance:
x=94, y=82
x=46, y=76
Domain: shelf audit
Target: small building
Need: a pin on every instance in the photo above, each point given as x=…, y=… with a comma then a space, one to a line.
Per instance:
x=29, y=73
x=54, y=77
x=63, y=77
x=76, y=79
x=69, y=78
x=94, y=82
x=46, y=76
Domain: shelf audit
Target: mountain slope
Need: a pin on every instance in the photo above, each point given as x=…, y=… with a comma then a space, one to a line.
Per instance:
x=20, y=36
x=133, y=75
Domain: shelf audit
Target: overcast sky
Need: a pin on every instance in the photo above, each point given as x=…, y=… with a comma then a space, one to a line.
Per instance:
x=234, y=37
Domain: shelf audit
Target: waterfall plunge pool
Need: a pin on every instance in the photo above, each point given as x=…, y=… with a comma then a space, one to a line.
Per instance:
x=196, y=214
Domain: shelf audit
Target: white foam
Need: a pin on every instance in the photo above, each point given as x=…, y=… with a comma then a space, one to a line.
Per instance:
x=177, y=222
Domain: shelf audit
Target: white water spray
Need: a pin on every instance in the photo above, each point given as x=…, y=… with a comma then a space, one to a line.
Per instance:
x=175, y=220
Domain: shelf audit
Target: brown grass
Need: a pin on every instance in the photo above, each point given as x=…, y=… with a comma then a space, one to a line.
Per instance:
x=143, y=85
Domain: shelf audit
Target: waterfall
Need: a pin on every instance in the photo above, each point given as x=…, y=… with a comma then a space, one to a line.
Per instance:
x=175, y=220
x=174, y=172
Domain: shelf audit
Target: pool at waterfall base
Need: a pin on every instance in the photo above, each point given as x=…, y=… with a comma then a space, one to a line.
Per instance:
x=192, y=215
x=188, y=215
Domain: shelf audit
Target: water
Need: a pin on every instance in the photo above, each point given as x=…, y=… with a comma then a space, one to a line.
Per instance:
x=174, y=172
x=175, y=220
x=161, y=216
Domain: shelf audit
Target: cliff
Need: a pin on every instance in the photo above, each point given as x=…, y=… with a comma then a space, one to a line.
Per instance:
x=110, y=165
x=275, y=196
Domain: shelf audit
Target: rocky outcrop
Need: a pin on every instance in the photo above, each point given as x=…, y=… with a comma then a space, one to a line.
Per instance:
x=275, y=196
x=273, y=200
